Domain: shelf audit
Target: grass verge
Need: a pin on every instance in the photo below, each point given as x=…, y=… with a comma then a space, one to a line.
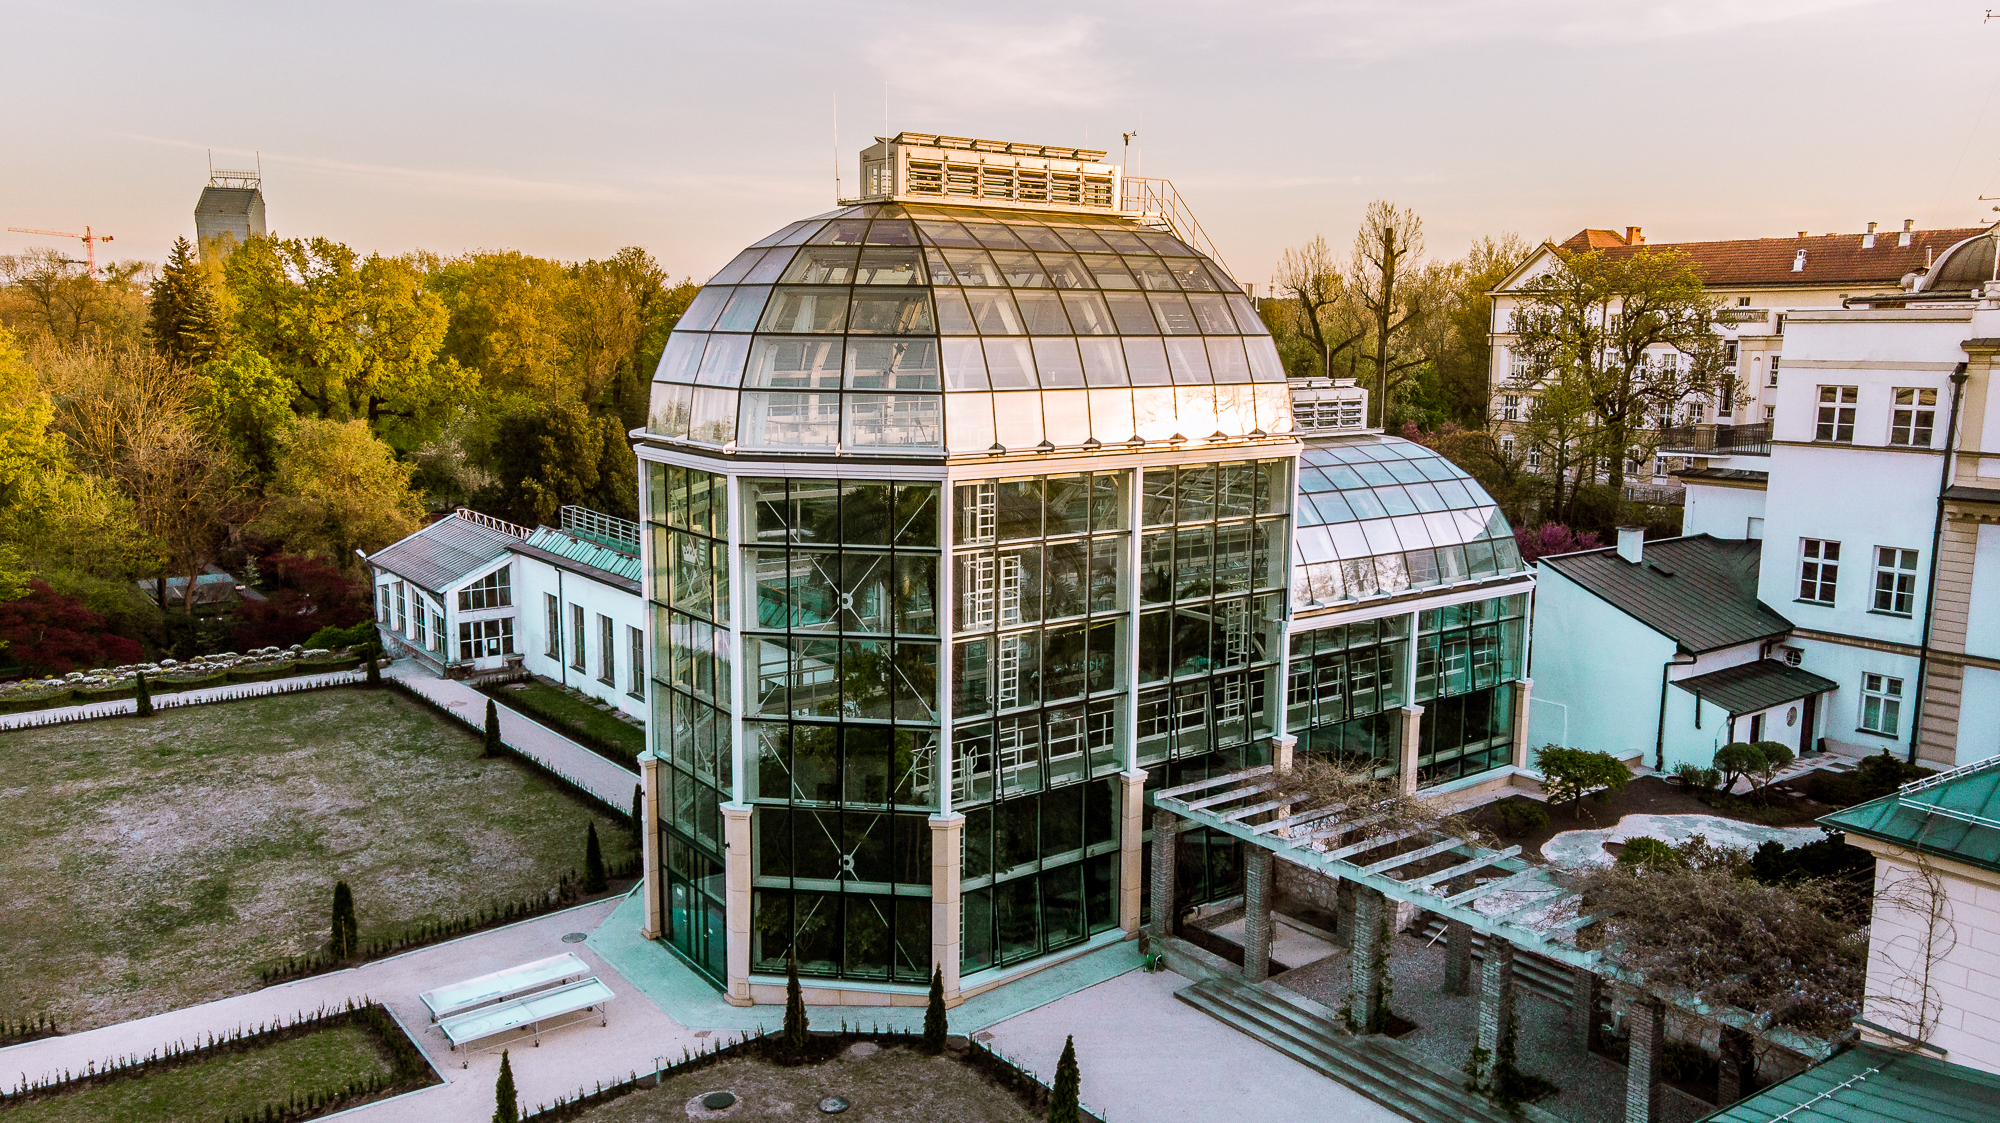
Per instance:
x=605, y=734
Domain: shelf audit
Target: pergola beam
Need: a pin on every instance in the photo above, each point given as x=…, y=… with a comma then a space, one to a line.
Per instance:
x=1299, y=819
x=1432, y=850
x=1258, y=808
x=1376, y=842
x=1472, y=895
x=1463, y=868
x=1343, y=827
x=1232, y=794
x=1175, y=793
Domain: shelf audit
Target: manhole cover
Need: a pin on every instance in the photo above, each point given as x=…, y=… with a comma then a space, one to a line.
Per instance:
x=833, y=1105
x=865, y=1049
x=576, y=937
x=716, y=1101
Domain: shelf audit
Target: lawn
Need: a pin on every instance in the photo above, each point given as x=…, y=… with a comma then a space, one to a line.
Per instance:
x=325, y=1061
x=893, y=1085
x=568, y=713
x=153, y=863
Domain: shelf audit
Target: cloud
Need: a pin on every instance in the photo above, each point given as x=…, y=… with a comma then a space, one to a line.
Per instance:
x=956, y=65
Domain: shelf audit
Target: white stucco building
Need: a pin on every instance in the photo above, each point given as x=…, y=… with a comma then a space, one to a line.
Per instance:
x=472, y=593
x=1876, y=531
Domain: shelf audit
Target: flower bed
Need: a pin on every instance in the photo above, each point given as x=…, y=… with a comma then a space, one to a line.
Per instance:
x=170, y=676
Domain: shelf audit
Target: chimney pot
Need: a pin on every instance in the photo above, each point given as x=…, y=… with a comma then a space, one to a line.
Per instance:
x=1909, y=224
x=1802, y=233
x=1632, y=543
x=1871, y=228
x=1634, y=236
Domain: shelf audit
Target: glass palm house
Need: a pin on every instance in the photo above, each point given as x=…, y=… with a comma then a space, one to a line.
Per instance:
x=970, y=518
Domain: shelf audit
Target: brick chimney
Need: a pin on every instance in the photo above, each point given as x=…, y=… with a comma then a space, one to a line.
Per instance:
x=1632, y=543
x=1634, y=236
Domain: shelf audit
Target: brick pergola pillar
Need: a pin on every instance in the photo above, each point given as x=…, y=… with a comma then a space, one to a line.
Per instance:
x=1496, y=1006
x=1412, y=744
x=1131, y=849
x=1343, y=912
x=736, y=899
x=1259, y=887
x=1457, y=957
x=1166, y=833
x=1584, y=985
x=649, y=844
x=1367, y=959
x=1648, y=1022
x=1737, y=1075
x=947, y=902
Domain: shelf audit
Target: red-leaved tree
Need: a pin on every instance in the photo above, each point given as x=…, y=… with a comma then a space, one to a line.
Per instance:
x=303, y=595
x=1552, y=538
x=48, y=633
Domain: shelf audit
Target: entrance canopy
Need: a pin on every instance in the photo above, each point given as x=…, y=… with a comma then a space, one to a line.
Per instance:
x=1752, y=687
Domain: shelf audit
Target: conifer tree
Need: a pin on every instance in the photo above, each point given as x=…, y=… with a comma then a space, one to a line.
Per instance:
x=593, y=861
x=144, y=698
x=185, y=318
x=638, y=817
x=934, y=1019
x=795, y=1008
x=1063, y=1098
x=346, y=936
x=506, y=1104
x=374, y=664
x=492, y=728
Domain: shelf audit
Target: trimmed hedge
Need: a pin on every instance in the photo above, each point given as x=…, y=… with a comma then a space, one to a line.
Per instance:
x=74, y=696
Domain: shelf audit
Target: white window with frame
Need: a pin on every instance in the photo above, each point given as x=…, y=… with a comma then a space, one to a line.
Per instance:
x=381, y=604
x=1517, y=365
x=1507, y=445
x=1895, y=581
x=402, y=611
x=1836, y=414
x=1913, y=417
x=1729, y=353
x=437, y=633
x=579, y=640
x=1510, y=407
x=635, y=638
x=491, y=591
x=1770, y=414
x=478, y=639
x=1535, y=456
x=1659, y=467
x=1772, y=378
x=1697, y=412
x=423, y=622
x=553, y=607
x=607, y=651
x=1881, y=703
x=1819, y=570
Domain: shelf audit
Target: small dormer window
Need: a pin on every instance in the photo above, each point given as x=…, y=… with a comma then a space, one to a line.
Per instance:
x=1743, y=302
x=1799, y=262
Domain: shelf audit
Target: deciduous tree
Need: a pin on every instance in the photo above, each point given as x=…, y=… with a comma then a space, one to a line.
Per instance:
x=243, y=402
x=338, y=489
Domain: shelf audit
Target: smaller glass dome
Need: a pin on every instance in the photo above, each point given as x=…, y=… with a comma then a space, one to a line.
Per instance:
x=1379, y=515
x=1965, y=267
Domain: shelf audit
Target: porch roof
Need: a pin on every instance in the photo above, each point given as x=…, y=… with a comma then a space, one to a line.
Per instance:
x=1750, y=687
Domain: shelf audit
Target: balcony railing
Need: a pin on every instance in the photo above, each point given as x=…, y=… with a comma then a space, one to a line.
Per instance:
x=1716, y=440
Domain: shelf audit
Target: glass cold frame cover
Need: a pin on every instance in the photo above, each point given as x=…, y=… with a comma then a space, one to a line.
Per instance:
x=925, y=329
x=1381, y=515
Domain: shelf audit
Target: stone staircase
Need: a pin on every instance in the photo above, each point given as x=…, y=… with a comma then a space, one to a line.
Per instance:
x=1543, y=977
x=1372, y=1066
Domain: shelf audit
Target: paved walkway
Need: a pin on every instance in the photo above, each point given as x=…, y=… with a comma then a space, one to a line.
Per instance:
x=1145, y=1056
x=174, y=699
x=569, y=1058
x=610, y=782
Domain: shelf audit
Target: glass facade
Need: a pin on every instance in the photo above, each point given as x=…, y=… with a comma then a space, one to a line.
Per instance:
x=1379, y=515
x=1345, y=688
x=689, y=584
x=841, y=723
x=912, y=329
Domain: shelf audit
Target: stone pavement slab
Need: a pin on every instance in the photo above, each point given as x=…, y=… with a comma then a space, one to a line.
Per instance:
x=1145, y=1057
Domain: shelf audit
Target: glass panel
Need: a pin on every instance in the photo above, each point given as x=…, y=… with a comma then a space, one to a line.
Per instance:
x=1087, y=312
x=881, y=364
x=822, y=265
x=1021, y=269
x=1111, y=415
x=968, y=419
x=798, y=364
x=1172, y=312
x=1133, y=314
x=1188, y=359
x=1056, y=359
x=730, y=274
x=682, y=357
x=1010, y=364
x=893, y=421
x=1042, y=313
x=964, y=368
x=713, y=418
x=1109, y=272
x=1146, y=361
x=972, y=267
x=890, y=267
x=806, y=310
x=722, y=362
x=1066, y=271
x=952, y=316
x=878, y=312
x=1066, y=414
x=1017, y=419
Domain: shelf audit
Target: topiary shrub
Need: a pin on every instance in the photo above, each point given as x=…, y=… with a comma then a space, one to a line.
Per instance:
x=1738, y=759
x=1517, y=817
x=1701, y=779
x=506, y=1103
x=143, y=698
x=345, y=938
x=593, y=861
x=1646, y=851
x=793, y=1039
x=934, y=1016
x=1570, y=774
x=1065, y=1095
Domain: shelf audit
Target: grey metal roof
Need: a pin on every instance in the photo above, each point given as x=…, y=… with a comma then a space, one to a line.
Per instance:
x=585, y=554
x=1699, y=591
x=1867, y=1084
x=1726, y=475
x=1750, y=687
x=236, y=201
x=444, y=553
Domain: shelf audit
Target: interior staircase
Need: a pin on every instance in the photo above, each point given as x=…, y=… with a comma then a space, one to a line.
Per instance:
x=1372, y=1066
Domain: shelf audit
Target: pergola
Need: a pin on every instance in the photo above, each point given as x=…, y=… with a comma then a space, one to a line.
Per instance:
x=1474, y=889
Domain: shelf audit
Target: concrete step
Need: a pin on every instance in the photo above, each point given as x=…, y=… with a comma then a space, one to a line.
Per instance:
x=1365, y=1064
x=1544, y=977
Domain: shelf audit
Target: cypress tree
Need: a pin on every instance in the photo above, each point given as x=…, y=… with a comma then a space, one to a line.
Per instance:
x=374, y=659
x=185, y=319
x=492, y=728
x=794, y=1039
x=346, y=938
x=638, y=817
x=507, y=1106
x=144, y=698
x=593, y=861
x=934, y=1020
x=1063, y=1105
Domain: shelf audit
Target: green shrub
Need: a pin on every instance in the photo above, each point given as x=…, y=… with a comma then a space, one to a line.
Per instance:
x=360, y=634
x=1877, y=776
x=934, y=1015
x=1064, y=1105
x=794, y=1037
x=1738, y=759
x=506, y=1103
x=143, y=698
x=1696, y=777
x=345, y=938
x=1571, y=774
x=593, y=861
x=1516, y=817
x=1645, y=851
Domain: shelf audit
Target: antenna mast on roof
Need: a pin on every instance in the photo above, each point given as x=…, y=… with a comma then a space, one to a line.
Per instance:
x=836, y=148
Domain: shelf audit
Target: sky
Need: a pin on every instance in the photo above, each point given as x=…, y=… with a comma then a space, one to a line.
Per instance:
x=571, y=128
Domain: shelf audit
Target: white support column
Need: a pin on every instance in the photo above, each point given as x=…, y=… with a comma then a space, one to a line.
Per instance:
x=947, y=903
x=1131, y=849
x=1523, y=690
x=736, y=899
x=1412, y=744
x=649, y=845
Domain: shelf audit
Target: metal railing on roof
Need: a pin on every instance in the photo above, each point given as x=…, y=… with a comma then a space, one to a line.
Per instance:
x=1157, y=200
x=606, y=530
x=1913, y=788
x=491, y=523
x=1717, y=440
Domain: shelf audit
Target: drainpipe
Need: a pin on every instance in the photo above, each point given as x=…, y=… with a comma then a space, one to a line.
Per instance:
x=1958, y=377
x=1660, y=739
x=562, y=625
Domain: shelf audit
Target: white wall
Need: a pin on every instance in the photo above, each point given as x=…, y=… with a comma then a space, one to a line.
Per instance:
x=1982, y=625
x=1601, y=664
x=537, y=580
x=1979, y=716
x=1964, y=958
x=1862, y=499
x=1724, y=512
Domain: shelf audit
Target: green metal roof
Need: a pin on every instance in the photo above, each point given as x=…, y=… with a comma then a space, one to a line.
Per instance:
x=585, y=552
x=1954, y=814
x=1867, y=1084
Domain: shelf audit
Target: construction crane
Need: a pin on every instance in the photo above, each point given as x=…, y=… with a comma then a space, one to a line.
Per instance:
x=89, y=236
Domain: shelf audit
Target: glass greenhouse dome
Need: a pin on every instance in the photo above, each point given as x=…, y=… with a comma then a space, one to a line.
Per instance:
x=892, y=328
